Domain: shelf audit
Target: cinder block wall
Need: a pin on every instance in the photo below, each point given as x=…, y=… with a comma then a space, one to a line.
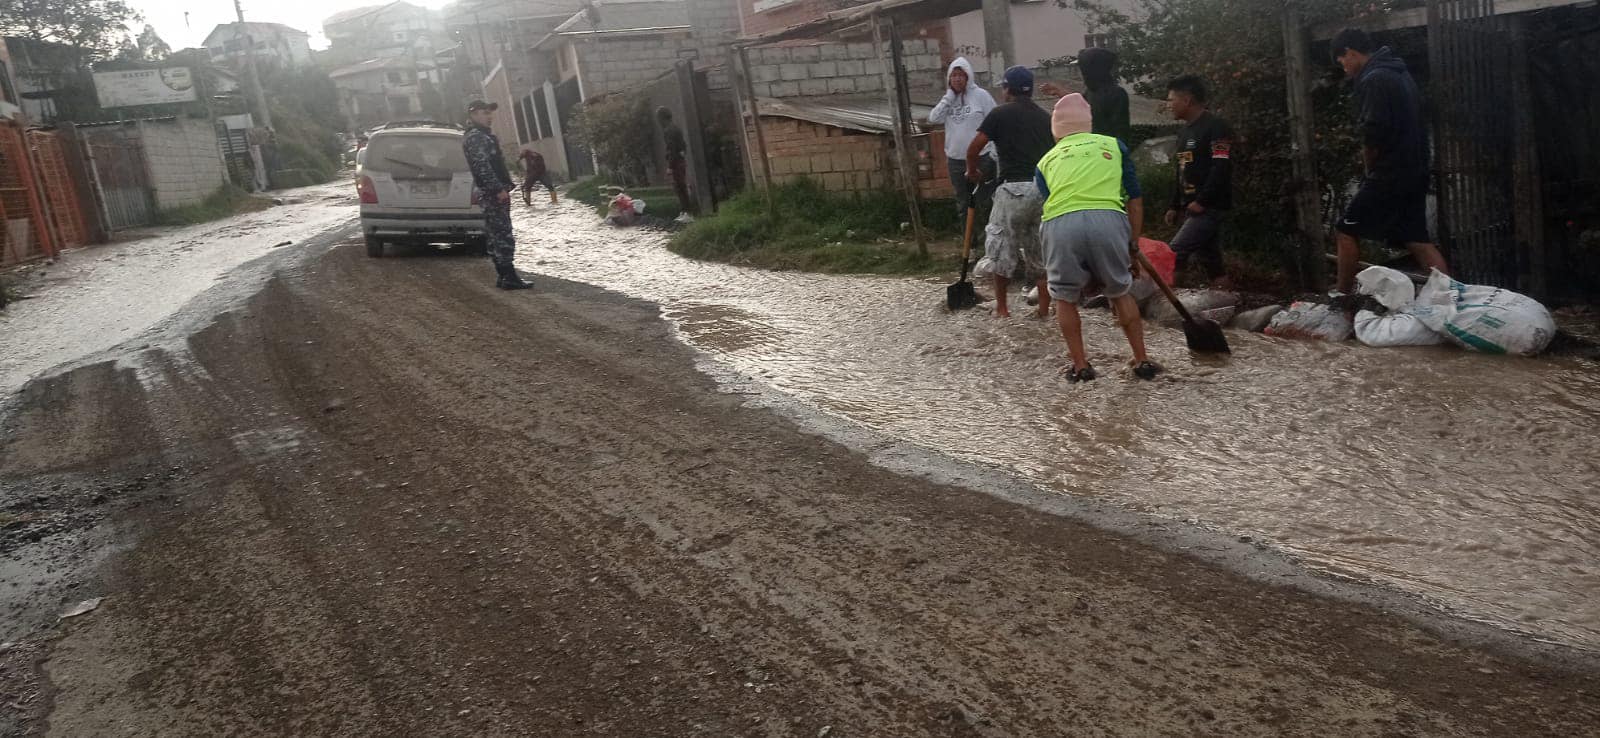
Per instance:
x=837, y=68
x=838, y=159
x=843, y=160
x=613, y=65
x=183, y=159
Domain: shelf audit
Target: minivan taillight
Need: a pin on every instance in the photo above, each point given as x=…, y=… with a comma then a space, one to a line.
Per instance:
x=368, y=192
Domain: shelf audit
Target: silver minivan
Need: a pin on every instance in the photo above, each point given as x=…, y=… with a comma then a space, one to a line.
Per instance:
x=415, y=188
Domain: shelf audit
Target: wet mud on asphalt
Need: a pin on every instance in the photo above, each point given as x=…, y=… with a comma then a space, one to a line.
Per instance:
x=380, y=496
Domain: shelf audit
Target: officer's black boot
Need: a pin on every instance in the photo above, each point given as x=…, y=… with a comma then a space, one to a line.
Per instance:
x=509, y=279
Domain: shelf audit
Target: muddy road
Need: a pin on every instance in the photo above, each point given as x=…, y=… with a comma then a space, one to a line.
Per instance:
x=381, y=497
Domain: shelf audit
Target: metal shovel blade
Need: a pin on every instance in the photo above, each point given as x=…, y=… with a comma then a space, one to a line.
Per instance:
x=1205, y=336
x=960, y=296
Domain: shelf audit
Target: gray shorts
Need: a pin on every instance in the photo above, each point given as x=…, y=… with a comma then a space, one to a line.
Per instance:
x=1012, y=235
x=1085, y=245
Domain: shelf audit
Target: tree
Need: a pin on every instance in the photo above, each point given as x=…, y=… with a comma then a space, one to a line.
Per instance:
x=1244, y=74
x=97, y=27
x=148, y=47
x=620, y=132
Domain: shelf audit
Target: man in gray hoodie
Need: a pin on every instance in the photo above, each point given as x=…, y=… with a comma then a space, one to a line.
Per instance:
x=961, y=110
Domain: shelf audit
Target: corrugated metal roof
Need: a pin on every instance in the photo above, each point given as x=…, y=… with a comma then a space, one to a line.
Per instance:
x=901, y=11
x=628, y=15
x=871, y=113
x=854, y=112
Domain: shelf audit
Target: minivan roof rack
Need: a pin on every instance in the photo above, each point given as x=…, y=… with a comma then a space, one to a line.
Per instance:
x=414, y=124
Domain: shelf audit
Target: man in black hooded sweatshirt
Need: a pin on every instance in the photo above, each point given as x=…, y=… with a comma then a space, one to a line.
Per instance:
x=1392, y=204
x=1108, y=101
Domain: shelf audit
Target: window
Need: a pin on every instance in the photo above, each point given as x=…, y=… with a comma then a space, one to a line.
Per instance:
x=412, y=154
x=400, y=36
x=399, y=105
x=5, y=83
x=396, y=79
x=519, y=114
x=1100, y=41
x=542, y=114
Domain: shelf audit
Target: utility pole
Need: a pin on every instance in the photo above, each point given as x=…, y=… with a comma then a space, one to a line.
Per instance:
x=260, y=95
x=997, y=37
x=483, y=53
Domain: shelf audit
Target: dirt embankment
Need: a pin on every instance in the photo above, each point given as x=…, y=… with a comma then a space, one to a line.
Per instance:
x=385, y=498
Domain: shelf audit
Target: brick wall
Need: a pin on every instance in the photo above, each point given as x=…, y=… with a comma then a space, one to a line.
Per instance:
x=184, y=161
x=843, y=160
x=620, y=63
x=838, y=68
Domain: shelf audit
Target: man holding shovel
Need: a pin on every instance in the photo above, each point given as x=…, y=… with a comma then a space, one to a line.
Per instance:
x=1020, y=131
x=1093, y=216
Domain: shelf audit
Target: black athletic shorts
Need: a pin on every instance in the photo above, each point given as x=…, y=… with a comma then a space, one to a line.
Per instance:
x=1392, y=211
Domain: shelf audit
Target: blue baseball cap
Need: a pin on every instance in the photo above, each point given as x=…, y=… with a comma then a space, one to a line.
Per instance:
x=1019, y=80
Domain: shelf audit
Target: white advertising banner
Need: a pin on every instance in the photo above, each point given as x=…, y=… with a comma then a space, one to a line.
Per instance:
x=144, y=87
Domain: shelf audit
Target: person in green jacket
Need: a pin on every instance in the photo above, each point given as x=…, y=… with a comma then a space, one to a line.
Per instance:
x=1093, y=216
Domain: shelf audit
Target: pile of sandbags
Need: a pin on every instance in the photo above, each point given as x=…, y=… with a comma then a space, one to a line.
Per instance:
x=1476, y=317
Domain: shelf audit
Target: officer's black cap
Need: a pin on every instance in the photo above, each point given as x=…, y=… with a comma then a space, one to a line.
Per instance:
x=476, y=105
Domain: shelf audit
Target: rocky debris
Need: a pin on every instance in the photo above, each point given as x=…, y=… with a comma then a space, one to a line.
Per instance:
x=1255, y=320
x=82, y=608
x=1213, y=304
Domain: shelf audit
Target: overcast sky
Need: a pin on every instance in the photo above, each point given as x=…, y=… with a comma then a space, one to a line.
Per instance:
x=185, y=23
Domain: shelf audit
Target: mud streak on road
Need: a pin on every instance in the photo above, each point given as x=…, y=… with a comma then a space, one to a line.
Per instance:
x=393, y=500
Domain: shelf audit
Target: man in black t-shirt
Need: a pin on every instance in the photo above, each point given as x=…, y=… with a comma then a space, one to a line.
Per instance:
x=1204, y=191
x=1021, y=134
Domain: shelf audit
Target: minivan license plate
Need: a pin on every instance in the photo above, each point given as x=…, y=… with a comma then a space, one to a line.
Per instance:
x=425, y=189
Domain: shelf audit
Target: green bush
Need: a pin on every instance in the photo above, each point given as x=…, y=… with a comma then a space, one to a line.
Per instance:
x=816, y=230
x=619, y=131
x=1244, y=72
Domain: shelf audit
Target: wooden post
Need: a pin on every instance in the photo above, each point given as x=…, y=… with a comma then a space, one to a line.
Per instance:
x=755, y=119
x=902, y=144
x=1527, y=193
x=694, y=135
x=1306, y=191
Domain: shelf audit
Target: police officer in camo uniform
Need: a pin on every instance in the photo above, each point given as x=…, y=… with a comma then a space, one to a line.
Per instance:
x=494, y=185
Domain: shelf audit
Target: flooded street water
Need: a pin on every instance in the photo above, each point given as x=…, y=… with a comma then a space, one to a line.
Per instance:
x=1468, y=479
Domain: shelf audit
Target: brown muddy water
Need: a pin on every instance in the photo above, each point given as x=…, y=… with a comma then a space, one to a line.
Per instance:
x=1469, y=480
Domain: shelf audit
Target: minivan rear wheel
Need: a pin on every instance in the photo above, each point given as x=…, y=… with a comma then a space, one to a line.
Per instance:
x=374, y=247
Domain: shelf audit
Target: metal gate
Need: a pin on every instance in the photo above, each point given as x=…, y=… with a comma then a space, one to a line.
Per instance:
x=579, y=162
x=1468, y=52
x=24, y=231
x=61, y=191
x=117, y=164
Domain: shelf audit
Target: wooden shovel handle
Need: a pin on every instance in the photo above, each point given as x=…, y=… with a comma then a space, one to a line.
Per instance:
x=1144, y=263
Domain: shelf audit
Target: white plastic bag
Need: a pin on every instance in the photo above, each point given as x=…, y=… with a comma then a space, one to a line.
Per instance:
x=1394, y=329
x=1310, y=320
x=1392, y=289
x=1483, y=318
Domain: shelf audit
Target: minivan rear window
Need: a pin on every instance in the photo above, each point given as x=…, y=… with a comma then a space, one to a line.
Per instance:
x=417, y=155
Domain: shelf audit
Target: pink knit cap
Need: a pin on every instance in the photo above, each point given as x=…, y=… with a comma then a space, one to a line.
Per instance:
x=1071, y=116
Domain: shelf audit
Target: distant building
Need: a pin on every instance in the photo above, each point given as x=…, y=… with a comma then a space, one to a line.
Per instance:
x=1039, y=31
x=275, y=44
x=42, y=72
x=382, y=90
x=633, y=42
x=385, y=31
